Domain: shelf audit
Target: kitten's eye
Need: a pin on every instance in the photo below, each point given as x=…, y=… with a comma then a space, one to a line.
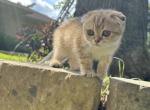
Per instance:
x=106, y=33
x=90, y=32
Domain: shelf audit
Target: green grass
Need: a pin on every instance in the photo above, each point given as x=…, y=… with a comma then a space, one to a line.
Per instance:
x=19, y=58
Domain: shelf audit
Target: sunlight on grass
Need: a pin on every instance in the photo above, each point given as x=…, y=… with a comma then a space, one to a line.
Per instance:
x=19, y=58
x=105, y=86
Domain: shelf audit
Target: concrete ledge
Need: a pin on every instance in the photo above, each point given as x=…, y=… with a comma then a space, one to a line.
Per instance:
x=32, y=87
x=128, y=94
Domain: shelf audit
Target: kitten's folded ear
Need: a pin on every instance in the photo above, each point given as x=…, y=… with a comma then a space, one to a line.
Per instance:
x=119, y=15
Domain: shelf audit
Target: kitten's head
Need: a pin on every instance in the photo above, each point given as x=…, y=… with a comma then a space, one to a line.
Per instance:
x=103, y=26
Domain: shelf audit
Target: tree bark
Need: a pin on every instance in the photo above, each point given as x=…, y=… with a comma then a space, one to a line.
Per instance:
x=133, y=47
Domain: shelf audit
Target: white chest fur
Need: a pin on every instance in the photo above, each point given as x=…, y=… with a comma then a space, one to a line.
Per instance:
x=103, y=50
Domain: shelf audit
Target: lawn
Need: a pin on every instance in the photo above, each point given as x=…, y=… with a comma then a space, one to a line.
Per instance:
x=12, y=57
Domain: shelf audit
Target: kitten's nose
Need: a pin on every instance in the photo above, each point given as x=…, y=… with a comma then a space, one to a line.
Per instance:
x=98, y=39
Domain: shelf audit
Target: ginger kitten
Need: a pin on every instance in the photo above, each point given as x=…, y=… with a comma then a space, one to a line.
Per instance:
x=96, y=36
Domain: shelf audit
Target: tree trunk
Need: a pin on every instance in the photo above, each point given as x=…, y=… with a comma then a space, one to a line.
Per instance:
x=133, y=48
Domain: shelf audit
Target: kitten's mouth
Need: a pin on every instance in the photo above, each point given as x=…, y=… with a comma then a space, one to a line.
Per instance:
x=97, y=44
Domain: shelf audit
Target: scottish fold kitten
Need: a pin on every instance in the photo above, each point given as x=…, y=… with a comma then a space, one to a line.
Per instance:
x=95, y=36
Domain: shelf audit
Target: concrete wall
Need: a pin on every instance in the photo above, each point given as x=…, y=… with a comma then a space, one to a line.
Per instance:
x=34, y=87
x=13, y=17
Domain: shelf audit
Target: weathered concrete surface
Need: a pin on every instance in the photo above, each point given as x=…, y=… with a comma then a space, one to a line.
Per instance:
x=31, y=87
x=128, y=94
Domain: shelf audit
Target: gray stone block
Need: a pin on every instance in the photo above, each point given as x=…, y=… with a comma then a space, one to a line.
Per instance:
x=32, y=87
x=128, y=94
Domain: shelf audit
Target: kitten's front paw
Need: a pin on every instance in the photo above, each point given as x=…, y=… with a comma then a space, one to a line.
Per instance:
x=89, y=74
x=55, y=64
